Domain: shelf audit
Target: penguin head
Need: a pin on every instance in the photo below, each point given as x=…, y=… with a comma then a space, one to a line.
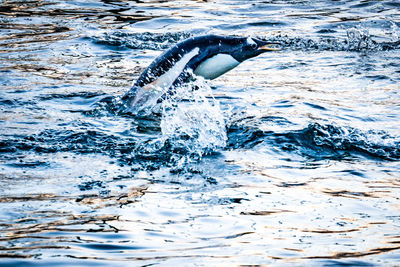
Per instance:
x=249, y=47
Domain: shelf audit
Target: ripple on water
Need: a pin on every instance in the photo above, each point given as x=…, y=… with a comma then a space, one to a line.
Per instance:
x=290, y=159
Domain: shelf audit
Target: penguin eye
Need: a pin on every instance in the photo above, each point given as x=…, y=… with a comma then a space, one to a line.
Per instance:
x=251, y=43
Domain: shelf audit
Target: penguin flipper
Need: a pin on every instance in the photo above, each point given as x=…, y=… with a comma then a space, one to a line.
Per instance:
x=137, y=97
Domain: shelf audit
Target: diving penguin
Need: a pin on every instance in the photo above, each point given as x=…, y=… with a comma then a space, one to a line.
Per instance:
x=208, y=56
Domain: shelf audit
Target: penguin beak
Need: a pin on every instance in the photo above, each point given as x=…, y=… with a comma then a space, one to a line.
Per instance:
x=270, y=47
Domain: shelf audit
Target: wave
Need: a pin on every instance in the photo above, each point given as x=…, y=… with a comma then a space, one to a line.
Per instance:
x=181, y=141
x=146, y=40
x=320, y=141
x=356, y=38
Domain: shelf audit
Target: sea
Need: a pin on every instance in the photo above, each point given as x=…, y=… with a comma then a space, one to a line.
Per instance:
x=290, y=159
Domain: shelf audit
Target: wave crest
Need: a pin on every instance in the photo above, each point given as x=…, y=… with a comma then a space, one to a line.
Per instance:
x=320, y=141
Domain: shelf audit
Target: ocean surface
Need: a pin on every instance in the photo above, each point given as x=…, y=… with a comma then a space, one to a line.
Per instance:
x=292, y=158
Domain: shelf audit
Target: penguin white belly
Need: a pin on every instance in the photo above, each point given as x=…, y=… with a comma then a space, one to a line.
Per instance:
x=216, y=66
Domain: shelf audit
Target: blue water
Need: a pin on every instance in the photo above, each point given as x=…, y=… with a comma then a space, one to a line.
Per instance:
x=292, y=158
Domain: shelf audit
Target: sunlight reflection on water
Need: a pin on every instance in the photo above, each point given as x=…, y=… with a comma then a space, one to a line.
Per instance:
x=298, y=161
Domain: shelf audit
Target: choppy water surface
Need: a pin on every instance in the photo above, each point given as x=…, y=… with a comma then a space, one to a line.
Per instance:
x=291, y=158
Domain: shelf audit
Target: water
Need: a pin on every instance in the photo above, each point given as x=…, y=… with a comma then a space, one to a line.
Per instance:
x=292, y=158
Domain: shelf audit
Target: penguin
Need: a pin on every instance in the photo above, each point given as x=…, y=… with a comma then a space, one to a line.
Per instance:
x=208, y=56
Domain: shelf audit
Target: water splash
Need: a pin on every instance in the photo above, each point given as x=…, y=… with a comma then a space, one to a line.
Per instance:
x=359, y=38
x=192, y=121
x=394, y=32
